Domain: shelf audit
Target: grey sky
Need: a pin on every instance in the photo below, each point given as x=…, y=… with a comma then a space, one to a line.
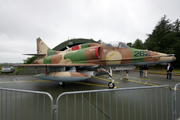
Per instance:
x=22, y=21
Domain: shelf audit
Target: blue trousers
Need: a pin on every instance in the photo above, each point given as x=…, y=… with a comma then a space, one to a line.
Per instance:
x=169, y=75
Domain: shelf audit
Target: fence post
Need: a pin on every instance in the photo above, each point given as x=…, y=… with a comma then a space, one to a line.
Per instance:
x=175, y=101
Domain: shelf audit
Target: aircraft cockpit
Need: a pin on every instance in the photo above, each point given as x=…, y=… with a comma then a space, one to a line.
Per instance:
x=116, y=44
x=123, y=45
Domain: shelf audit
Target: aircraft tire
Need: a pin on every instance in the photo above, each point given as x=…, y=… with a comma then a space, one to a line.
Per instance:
x=111, y=85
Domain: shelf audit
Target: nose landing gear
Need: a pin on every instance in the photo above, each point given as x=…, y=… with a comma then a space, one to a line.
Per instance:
x=111, y=84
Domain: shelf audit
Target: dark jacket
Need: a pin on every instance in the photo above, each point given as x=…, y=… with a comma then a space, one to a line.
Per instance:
x=170, y=69
x=145, y=67
x=140, y=67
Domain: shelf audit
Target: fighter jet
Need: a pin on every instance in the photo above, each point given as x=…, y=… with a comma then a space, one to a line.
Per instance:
x=78, y=62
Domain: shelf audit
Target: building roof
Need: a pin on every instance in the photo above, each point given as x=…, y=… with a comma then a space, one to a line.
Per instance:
x=73, y=42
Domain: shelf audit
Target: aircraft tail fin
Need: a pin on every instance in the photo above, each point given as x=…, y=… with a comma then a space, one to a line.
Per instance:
x=42, y=48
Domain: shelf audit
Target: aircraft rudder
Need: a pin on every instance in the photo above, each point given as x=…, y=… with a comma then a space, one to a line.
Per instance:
x=42, y=48
x=38, y=39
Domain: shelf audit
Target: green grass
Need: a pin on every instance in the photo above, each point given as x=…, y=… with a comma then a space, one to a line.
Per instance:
x=164, y=70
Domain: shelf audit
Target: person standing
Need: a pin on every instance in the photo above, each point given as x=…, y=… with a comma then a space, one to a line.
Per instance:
x=141, y=70
x=126, y=74
x=145, y=68
x=169, y=71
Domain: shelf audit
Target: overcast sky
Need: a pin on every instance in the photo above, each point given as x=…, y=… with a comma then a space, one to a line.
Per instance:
x=22, y=21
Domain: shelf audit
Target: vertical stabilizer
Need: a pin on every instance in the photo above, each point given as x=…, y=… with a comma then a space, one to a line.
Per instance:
x=42, y=48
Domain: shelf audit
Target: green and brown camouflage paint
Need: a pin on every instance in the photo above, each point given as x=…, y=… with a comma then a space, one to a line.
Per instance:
x=96, y=53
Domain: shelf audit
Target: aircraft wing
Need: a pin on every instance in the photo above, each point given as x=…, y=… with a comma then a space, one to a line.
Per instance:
x=35, y=54
x=56, y=65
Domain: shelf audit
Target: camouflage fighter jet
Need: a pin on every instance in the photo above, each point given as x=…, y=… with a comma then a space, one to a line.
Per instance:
x=76, y=63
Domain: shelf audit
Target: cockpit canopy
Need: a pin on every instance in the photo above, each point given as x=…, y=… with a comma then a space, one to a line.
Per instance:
x=116, y=44
x=123, y=45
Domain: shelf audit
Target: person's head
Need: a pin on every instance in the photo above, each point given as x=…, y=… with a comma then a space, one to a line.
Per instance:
x=169, y=64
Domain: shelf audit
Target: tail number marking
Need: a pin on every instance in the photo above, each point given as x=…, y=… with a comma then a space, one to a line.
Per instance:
x=139, y=54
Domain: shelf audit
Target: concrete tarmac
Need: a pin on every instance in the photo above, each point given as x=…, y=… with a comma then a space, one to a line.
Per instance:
x=28, y=82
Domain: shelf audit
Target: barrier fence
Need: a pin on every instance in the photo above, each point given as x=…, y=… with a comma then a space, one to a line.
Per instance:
x=177, y=101
x=138, y=103
x=25, y=105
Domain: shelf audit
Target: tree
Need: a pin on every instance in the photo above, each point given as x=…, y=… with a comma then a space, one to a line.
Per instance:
x=165, y=38
x=138, y=44
x=160, y=37
x=30, y=60
x=99, y=41
x=129, y=44
x=176, y=38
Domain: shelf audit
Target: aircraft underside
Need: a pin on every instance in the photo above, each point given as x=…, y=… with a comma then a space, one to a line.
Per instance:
x=61, y=78
x=72, y=74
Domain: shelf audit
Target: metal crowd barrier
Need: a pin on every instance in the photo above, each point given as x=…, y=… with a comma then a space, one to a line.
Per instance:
x=25, y=105
x=137, y=103
x=177, y=101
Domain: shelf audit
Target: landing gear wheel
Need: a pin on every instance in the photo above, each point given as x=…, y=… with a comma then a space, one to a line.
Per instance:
x=111, y=85
x=60, y=83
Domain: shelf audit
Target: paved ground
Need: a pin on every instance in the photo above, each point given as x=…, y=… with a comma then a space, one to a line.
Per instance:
x=132, y=108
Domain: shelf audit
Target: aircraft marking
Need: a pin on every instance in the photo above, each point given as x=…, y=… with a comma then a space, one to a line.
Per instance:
x=139, y=53
x=91, y=49
x=110, y=56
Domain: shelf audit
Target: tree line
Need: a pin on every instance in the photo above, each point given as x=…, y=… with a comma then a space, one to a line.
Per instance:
x=164, y=38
